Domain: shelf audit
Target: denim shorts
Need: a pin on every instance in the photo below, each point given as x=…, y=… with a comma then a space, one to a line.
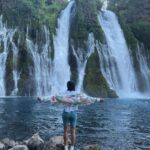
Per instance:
x=69, y=119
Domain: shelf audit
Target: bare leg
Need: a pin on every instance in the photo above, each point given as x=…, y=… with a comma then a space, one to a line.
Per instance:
x=73, y=134
x=66, y=135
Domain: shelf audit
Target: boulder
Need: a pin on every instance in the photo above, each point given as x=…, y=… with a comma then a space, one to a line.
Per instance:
x=35, y=142
x=20, y=147
x=8, y=143
x=2, y=146
x=55, y=143
x=57, y=140
x=91, y=147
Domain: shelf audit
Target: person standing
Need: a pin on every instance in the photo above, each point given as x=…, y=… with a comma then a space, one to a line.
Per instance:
x=70, y=100
x=69, y=116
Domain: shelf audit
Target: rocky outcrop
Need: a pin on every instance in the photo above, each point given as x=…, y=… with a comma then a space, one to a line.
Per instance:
x=20, y=147
x=37, y=143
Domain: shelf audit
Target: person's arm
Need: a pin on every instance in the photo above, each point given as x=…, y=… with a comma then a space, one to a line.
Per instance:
x=89, y=100
x=56, y=99
x=72, y=100
x=44, y=98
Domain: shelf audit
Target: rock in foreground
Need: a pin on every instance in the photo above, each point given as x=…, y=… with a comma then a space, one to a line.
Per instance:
x=37, y=143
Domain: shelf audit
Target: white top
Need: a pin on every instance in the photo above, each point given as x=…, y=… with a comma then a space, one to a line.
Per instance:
x=69, y=107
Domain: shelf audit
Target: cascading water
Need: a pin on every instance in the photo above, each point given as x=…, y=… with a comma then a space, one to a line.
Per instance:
x=144, y=69
x=61, y=70
x=116, y=63
x=82, y=57
x=16, y=75
x=42, y=65
x=5, y=36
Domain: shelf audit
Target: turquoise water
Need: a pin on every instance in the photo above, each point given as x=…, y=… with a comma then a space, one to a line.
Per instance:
x=115, y=124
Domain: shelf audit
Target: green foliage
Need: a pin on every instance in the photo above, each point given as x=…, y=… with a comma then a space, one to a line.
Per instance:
x=32, y=12
x=1, y=46
x=85, y=22
x=141, y=30
x=9, y=71
x=25, y=64
x=129, y=35
x=134, y=17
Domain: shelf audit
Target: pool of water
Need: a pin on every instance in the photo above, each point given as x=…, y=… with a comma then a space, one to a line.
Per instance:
x=115, y=124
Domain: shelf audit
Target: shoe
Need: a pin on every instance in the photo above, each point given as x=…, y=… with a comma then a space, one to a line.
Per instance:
x=66, y=147
x=72, y=148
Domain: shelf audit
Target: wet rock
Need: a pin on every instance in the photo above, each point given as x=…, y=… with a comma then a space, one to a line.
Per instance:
x=91, y=147
x=8, y=143
x=57, y=140
x=55, y=143
x=35, y=142
x=2, y=146
x=20, y=147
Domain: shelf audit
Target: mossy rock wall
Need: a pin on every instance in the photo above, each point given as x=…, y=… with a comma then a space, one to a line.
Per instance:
x=84, y=22
x=135, y=20
x=9, y=72
x=25, y=68
x=94, y=82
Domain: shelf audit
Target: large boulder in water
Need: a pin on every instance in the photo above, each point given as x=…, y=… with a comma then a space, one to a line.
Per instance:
x=35, y=142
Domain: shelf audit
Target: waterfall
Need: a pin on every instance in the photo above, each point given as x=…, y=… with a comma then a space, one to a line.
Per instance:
x=42, y=64
x=105, y=4
x=82, y=57
x=16, y=75
x=61, y=70
x=116, y=64
x=5, y=36
x=144, y=69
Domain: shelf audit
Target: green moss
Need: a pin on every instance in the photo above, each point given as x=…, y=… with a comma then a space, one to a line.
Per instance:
x=134, y=18
x=92, y=148
x=25, y=66
x=94, y=82
x=20, y=13
x=1, y=46
x=9, y=72
x=16, y=37
x=85, y=21
x=141, y=30
x=129, y=36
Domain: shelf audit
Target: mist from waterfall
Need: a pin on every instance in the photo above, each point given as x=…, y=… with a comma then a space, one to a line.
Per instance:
x=5, y=36
x=61, y=70
x=116, y=63
x=42, y=64
x=81, y=58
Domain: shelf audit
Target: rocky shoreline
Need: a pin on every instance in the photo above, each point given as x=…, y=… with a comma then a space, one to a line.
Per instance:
x=37, y=143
